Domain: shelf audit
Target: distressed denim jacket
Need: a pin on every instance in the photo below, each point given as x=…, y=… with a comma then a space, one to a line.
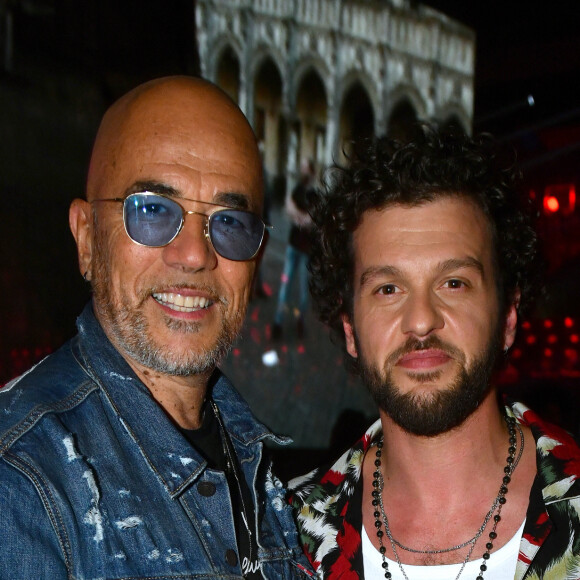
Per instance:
x=96, y=482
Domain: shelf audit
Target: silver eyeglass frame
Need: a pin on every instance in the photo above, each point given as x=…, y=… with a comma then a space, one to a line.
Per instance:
x=186, y=212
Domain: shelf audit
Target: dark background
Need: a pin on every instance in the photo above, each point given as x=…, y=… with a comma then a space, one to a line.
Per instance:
x=72, y=59
x=522, y=48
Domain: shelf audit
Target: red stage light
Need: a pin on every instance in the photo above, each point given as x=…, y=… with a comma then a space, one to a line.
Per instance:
x=559, y=197
x=551, y=204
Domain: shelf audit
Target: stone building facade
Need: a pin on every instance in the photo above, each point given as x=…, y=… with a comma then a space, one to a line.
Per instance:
x=311, y=75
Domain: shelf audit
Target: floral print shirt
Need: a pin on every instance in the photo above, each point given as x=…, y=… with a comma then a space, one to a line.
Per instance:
x=328, y=508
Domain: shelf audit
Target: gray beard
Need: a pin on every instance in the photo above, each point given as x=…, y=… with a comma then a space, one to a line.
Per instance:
x=131, y=334
x=138, y=344
x=444, y=409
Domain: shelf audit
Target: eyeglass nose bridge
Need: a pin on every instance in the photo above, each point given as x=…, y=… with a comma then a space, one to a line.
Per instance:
x=185, y=213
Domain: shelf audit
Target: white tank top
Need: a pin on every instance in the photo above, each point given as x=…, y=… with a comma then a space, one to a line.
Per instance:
x=500, y=566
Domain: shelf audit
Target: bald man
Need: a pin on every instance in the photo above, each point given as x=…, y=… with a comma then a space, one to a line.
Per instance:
x=127, y=453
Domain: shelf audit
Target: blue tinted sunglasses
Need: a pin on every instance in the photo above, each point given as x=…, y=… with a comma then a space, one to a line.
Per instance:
x=155, y=220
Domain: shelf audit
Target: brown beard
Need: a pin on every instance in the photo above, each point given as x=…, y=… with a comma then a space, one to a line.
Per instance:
x=444, y=409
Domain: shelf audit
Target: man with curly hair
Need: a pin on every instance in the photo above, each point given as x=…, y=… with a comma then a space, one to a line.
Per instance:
x=425, y=261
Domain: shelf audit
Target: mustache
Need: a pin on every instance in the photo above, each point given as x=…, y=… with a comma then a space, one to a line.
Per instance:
x=413, y=344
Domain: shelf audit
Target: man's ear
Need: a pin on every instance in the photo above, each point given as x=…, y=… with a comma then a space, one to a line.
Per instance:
x=511, y=321
x=80, y=220
x=349, y=336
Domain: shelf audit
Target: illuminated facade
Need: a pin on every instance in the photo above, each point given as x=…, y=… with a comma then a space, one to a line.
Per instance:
x=312, y=74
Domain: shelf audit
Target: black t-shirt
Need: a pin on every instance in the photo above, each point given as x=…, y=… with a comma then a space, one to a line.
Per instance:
x=208, y=441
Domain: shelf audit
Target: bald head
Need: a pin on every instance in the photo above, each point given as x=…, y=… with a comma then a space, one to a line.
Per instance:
x=173, y=112
x=185, y=139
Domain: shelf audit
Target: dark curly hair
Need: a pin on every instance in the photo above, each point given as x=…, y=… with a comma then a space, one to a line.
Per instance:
x=383, y=172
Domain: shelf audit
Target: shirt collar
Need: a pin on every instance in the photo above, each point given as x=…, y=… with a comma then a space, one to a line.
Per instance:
x=557, y=456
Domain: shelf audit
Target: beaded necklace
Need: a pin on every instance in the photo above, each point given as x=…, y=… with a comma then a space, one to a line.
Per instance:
x=381, y=516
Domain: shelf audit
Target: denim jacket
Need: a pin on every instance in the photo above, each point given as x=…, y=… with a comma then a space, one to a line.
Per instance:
x=96, y=481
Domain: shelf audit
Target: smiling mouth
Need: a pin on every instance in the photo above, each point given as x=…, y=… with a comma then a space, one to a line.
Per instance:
x=182, y=303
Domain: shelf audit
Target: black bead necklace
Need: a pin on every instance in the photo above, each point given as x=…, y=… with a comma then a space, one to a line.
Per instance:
x=381, y=516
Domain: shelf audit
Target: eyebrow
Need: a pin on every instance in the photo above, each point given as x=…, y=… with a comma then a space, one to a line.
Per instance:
x=233, y=200
x=376, y=271
x=446, y=266
x=227, y=199
x=460, y=263
x=153, y=187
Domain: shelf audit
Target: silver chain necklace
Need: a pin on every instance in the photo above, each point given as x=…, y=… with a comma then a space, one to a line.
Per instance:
x=500, y=500
x=442, y=550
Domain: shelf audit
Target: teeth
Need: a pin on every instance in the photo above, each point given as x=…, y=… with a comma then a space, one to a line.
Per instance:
x=182, y=303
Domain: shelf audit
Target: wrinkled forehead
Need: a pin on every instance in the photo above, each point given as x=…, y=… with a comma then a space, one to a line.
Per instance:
x=173, y=132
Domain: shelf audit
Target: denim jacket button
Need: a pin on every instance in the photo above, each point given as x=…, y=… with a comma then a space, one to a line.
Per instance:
x=231, y=557
x=206, y=488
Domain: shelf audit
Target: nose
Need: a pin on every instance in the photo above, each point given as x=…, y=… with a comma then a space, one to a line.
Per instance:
x=422, y=314
x=191, y=250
